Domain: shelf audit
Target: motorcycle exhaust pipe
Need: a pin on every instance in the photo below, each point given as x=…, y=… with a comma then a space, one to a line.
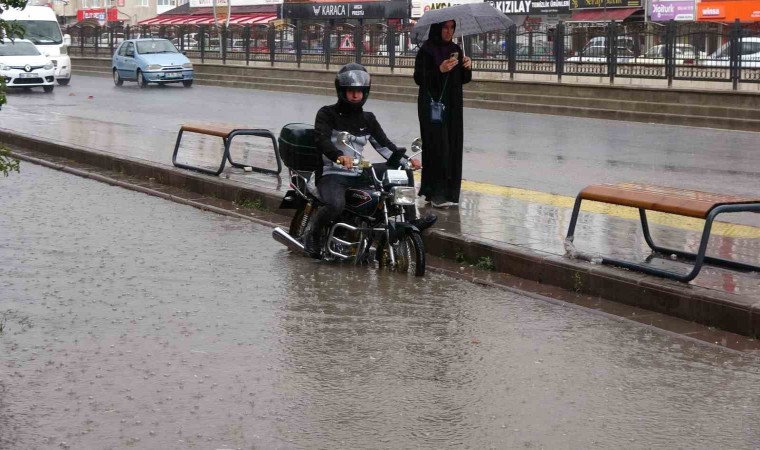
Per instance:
x=287, y=240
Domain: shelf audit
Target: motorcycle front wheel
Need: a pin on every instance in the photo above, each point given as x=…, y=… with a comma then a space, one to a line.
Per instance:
x=409, y=252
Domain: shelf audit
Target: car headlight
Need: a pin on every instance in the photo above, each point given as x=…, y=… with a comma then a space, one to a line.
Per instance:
x=48, y=66
x=187, y=66
x=154, y=67
x=403, y=195
x=4, y=67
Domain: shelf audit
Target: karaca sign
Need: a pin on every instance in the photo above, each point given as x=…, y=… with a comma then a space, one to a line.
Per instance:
x=346, y=10
x=729, y=11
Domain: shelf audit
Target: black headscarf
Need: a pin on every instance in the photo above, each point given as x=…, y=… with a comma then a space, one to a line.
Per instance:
x=435, y=45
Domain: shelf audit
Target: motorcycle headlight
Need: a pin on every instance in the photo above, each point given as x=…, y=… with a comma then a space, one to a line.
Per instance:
x=403, y=195
x=187, y=66
x=154, y=67
x=48, y=66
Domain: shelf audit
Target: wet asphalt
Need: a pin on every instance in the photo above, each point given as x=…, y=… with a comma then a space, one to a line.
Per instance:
x=545, y=153
x=133, y=322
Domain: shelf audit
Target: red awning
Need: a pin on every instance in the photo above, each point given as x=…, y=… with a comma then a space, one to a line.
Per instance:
x=602, y=15
x=208, y=19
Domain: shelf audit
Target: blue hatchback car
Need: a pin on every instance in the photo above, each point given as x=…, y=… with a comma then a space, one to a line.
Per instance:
x=151, y=60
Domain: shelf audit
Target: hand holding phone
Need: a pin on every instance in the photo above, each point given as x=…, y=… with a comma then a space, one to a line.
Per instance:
x=454, y=55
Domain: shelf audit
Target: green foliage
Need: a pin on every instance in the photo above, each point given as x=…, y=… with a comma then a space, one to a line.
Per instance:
x=255, y=203
x=12, y=31
x=485, y=263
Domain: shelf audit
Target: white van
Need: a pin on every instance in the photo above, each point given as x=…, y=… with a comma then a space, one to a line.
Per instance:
x=43, y=30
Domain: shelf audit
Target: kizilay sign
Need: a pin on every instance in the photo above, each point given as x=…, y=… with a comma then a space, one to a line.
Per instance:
x=531, y=7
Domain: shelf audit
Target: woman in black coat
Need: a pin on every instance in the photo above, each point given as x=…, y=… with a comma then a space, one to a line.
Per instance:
x=440, y=70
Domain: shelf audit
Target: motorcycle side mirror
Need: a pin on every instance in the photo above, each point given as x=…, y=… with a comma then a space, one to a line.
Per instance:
x=417, y=145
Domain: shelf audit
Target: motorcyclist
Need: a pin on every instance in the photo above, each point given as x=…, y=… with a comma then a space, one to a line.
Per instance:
x=352, y=84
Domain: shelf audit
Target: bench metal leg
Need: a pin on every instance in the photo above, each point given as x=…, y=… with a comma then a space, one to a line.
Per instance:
x=708, y=225
x=262, y=133
x=699, y=258
x=225, y=157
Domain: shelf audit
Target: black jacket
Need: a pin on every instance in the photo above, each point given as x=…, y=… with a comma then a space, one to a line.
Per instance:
x=333, y=119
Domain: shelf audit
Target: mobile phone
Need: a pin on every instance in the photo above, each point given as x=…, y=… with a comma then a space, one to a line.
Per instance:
x=454, y=55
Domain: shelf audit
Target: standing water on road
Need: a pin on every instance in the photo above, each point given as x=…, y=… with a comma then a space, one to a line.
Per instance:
x=131, y=321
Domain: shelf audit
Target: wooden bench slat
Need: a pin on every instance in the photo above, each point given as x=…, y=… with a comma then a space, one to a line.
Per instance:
x=663, y=199
x=216, y=129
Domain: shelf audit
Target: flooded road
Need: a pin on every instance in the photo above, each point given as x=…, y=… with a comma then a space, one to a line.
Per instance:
x=554, y=154
x=133, y=322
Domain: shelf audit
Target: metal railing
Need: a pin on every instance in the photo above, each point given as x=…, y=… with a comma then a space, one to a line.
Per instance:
x=669, y=51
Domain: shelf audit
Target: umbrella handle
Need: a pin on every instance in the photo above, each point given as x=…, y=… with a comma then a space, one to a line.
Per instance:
x=461, y=41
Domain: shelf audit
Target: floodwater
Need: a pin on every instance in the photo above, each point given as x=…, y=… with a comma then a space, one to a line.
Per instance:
x=555, y=154
x=133, y=322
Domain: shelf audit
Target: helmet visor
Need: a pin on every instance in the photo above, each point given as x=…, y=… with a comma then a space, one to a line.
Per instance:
x=354, y=78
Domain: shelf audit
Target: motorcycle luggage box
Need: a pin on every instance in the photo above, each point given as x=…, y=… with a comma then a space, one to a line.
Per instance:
x=297, y=147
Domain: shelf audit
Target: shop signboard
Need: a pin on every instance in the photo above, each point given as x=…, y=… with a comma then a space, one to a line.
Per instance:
x=728, y=11
x=102, y=15
x=394, y=9
x=531, y=7
x=679, y=10
x=602, y=4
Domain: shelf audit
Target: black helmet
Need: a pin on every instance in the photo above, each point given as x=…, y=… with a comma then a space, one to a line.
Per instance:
x=352, y=76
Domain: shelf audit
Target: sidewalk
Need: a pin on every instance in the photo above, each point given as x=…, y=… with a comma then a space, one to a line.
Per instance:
x=511, y=230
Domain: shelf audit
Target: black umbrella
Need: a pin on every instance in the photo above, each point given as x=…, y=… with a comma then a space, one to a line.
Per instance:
x=471, y=18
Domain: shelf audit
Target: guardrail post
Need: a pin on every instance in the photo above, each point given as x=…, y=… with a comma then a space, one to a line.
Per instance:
x=390, y=39
x=326, y=43
x=270, y=43
x=611, y=47
x=734, y=63
x=559, y=50
x=223, y=43
x=359, y=40
x=670, y=48
x=512, y=50
x=297, y=38
x=247, y=43
x=203, y=42
x=97, y=39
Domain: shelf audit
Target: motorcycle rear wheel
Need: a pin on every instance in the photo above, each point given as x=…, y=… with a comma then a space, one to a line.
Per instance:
x=409, y=252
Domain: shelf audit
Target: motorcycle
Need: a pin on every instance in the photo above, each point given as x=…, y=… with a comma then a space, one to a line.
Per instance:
x=372, y=227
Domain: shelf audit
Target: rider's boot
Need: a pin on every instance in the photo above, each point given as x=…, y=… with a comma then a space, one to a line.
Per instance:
x=311, y=244
x=426, y=222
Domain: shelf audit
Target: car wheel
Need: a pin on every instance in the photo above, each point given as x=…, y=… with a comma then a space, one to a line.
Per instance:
x=63, y=81
x=141, y=79
x=48, y=89
x=187, y=83
x=116, y=78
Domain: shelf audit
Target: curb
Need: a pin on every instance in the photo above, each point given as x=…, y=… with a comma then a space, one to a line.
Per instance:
x=729, y=312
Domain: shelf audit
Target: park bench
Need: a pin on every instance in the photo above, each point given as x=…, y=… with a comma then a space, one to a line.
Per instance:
x=701, y=205
x=226, y=133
